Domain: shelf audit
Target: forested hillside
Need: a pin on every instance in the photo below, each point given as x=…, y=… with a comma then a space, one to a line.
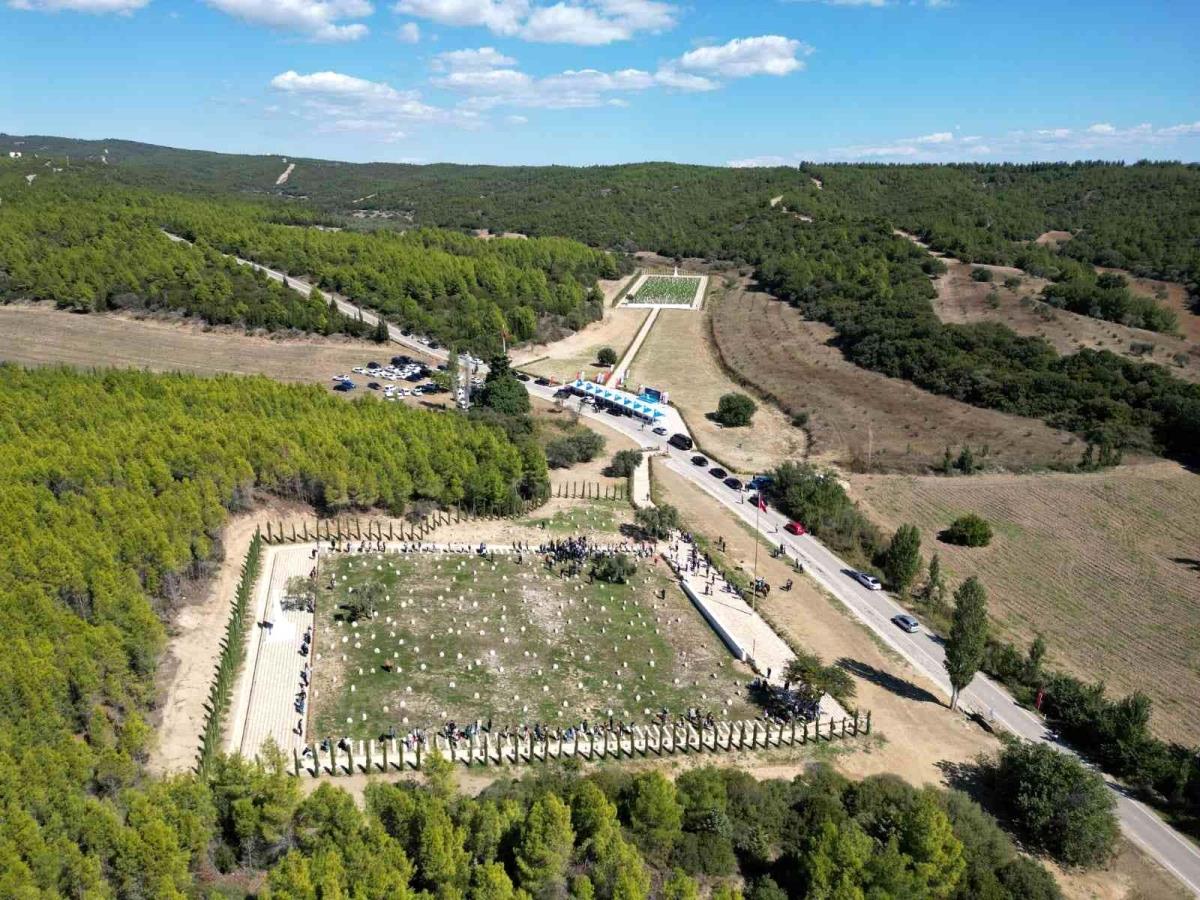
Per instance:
x=88, y=244
x=113, y=487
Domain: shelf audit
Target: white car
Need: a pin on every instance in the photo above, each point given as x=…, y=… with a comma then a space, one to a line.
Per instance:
x=870, y=582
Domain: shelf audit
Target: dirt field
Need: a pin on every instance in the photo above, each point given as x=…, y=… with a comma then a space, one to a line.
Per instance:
x=1104, y=565
x=963, y=300
x=42, y=335
x=678, y=355
x=563, y=360
x=1053, y=238
x=855, y=415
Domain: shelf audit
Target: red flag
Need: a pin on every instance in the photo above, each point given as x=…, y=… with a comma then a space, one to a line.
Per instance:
x=762, y=505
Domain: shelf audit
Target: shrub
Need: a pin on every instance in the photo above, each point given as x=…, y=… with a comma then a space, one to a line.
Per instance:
x=981, y=274
x=968, y=531
x=657, y=521
x=1059, y=805
x=607, y=356
x=615, y=569
x=582, y=446
x=735, y=410
x=624, y=463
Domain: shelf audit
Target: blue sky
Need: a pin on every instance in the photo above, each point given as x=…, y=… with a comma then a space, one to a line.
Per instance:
x=599, y=81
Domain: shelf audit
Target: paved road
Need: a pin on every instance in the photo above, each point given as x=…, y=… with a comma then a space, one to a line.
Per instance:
x=874, y=608
x=924, y=651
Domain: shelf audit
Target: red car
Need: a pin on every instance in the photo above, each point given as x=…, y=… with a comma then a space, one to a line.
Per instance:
x=795, y=528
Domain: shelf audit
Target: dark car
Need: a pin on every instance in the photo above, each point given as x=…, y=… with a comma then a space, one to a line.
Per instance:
x=521, y=376
x=699, y=460
x=682, y=441
x=373, y=365
x=717, y=472
x=544, y=382
x=415, y=377
x=401, y=360
x=434, y=345
x=344, y=386
x=406, y=332
x=735, y=483
x=373, y=385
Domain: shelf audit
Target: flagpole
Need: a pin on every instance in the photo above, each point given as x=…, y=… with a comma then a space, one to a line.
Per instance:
x=754, y=587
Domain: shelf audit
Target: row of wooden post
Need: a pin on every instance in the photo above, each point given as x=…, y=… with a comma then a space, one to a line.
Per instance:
x=591, y=490
x=656, y=740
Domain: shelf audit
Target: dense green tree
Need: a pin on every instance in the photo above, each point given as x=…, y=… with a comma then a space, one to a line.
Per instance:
x=625, y=463
x=734, y=410
x=659, y=521
x=1058, y=804
x=969, y=530
x=901, y=561
x=968, y=637
x=606, y=356
x=653, y=814
x=543, y=847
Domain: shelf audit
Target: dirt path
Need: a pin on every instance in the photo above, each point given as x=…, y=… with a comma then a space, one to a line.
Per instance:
x=186, y=670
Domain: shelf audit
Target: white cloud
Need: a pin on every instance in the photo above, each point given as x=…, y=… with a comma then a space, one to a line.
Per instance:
x=757, y=162
x=683, y=81
x=588, y=23
x=769, y=54
x=85, y=6
x=409, y=33
x=472, y=60
x=940, y=137
x=1175, y=130
x=516, y=120
x=563, y=24
x=318, y=20
x=1101, y=128
x=500, y=16
x=337, y=103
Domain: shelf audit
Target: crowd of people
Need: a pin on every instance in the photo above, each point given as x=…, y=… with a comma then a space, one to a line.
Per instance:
x=783, y=704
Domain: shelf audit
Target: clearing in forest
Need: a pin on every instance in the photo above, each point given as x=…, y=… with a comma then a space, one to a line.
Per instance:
x=963, y=300
x=860, y=418
x=1104, y=565
x=468, y=638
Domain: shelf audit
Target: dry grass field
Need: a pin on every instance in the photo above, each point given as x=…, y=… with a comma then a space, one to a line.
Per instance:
x=961, y=299
x=1170, y=294
x=41, y=335
x=857, y=416
x=563, y=360
x=678, y=355
x=1105, y=566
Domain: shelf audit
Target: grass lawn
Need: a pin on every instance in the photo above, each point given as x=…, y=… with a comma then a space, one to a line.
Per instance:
x=471, y=639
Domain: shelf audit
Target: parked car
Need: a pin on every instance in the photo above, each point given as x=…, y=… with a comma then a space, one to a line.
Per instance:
x=521, y=376
x=374, y=365
x=870, y=582
x=682, y=441
x=907, y=623
x=373, y=385
x=543, y=382
x=434, y=345
x=717, y=472
x=795, y=528
x=699, y=460
x=735, y=483
x=344, y=386
x=401, y=360
x=660, y=430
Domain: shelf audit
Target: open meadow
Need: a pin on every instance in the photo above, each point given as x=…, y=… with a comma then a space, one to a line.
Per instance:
x=476, y=639
x=857, y=417
x=678, y=355
x=1104, y=566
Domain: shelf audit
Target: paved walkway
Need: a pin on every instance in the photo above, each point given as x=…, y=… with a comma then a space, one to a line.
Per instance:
x=743, y=630
x=270, y=679
x=626, y=361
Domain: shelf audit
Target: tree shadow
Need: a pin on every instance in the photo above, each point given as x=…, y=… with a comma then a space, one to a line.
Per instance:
x=1193, y=564
x=898, y=686
x=971, y=778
